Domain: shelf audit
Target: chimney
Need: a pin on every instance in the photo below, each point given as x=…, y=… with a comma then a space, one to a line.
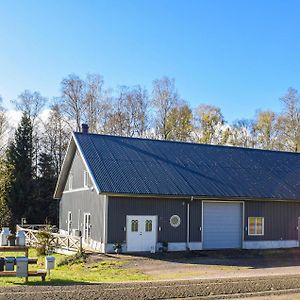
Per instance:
x=85, y=128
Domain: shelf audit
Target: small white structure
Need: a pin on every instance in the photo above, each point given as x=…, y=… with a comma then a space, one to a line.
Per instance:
x=50, y=262
x=3, y=236
x=22, y=266
x=20, y=238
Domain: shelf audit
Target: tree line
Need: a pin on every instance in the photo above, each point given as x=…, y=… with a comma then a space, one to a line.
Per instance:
x=31, y=155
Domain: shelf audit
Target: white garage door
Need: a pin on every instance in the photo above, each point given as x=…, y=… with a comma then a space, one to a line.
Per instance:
x=222, y=225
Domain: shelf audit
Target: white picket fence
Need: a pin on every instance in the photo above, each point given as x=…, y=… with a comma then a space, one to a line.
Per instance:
x=57, y=241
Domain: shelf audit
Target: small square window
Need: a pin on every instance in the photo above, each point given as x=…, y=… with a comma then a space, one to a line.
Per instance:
x=256, y=225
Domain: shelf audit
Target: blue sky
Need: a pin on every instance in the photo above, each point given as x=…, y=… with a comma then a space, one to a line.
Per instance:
x=239, y=55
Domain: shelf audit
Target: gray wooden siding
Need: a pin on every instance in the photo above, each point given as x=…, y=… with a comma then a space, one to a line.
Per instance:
x=80, y=202
x=77, y=170
x=120, y=207
x=281, y=219
x=195, y=220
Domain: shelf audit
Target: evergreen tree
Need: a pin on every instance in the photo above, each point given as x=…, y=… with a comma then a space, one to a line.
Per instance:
x=5, y=183
x=19, y=156
x=45, y=206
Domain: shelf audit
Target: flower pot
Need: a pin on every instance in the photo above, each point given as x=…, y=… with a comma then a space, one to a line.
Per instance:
x=118, y=250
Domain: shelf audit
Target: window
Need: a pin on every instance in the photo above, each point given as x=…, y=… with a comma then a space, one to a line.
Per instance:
x=69, y=222
x=256, y=226
x=85, y=179
x=71, y=182
x=69, y=216
x=148, y=225
x=87, y=226
x=175, y=221
x=134, y=225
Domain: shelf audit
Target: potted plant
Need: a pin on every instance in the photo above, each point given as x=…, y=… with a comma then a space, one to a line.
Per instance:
x=11, y=239
x=164, y=246
x=117, y=247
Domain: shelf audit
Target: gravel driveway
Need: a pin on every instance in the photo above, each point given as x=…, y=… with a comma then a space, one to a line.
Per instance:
x=218, y=264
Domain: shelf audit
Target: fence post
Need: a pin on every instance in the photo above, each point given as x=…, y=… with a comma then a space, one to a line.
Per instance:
x=80, y=244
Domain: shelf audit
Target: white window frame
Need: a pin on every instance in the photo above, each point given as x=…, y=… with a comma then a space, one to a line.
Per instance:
x=85, y=179
x=70, y=182
x=262, y=225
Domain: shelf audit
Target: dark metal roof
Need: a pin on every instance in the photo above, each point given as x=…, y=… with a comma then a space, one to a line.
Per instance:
x=124, y=165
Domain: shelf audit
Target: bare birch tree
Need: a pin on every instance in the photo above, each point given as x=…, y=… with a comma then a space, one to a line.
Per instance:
x=265, y=126
x=3, y=127
x=93, y=102
x=179, y=124
x=128, y=114
x=208, y=122
x=73, y=100
x=289, y=121
x=242, y=133
x=32, y=103
x=164, y=99
x=56, y=137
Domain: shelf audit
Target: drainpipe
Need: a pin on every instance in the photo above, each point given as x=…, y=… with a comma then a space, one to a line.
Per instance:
x=188, y=225
x=78, y=225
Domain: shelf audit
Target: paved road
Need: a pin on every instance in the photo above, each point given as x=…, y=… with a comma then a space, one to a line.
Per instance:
x=183, y=289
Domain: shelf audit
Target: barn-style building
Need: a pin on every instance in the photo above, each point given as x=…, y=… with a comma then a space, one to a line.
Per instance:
x=142, y=192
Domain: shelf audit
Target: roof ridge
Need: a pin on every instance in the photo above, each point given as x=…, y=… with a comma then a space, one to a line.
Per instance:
x=189, y=143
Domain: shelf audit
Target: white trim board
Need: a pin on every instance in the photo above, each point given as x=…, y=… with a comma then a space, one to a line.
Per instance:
x=270, y=244
x=65, y=169
x=94, y=246
x=182, y=246
x=195, y=246
x=171, y=247
x=88, y=169
x=77, y=190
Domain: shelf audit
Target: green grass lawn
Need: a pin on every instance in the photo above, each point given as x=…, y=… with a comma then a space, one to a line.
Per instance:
x=77, y=270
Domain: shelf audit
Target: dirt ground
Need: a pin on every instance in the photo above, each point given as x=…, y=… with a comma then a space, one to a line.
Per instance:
x=217, y=264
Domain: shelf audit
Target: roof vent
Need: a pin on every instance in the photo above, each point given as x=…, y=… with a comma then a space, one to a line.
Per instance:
x=85, y=128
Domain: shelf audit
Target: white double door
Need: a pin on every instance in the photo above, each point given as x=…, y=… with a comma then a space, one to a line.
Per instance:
x=141, y=233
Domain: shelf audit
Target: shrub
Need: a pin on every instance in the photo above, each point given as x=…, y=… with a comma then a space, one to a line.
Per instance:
x=44, y=242
x=79, y=257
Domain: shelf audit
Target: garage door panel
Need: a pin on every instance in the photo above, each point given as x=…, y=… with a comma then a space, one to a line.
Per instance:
x=222, y=225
